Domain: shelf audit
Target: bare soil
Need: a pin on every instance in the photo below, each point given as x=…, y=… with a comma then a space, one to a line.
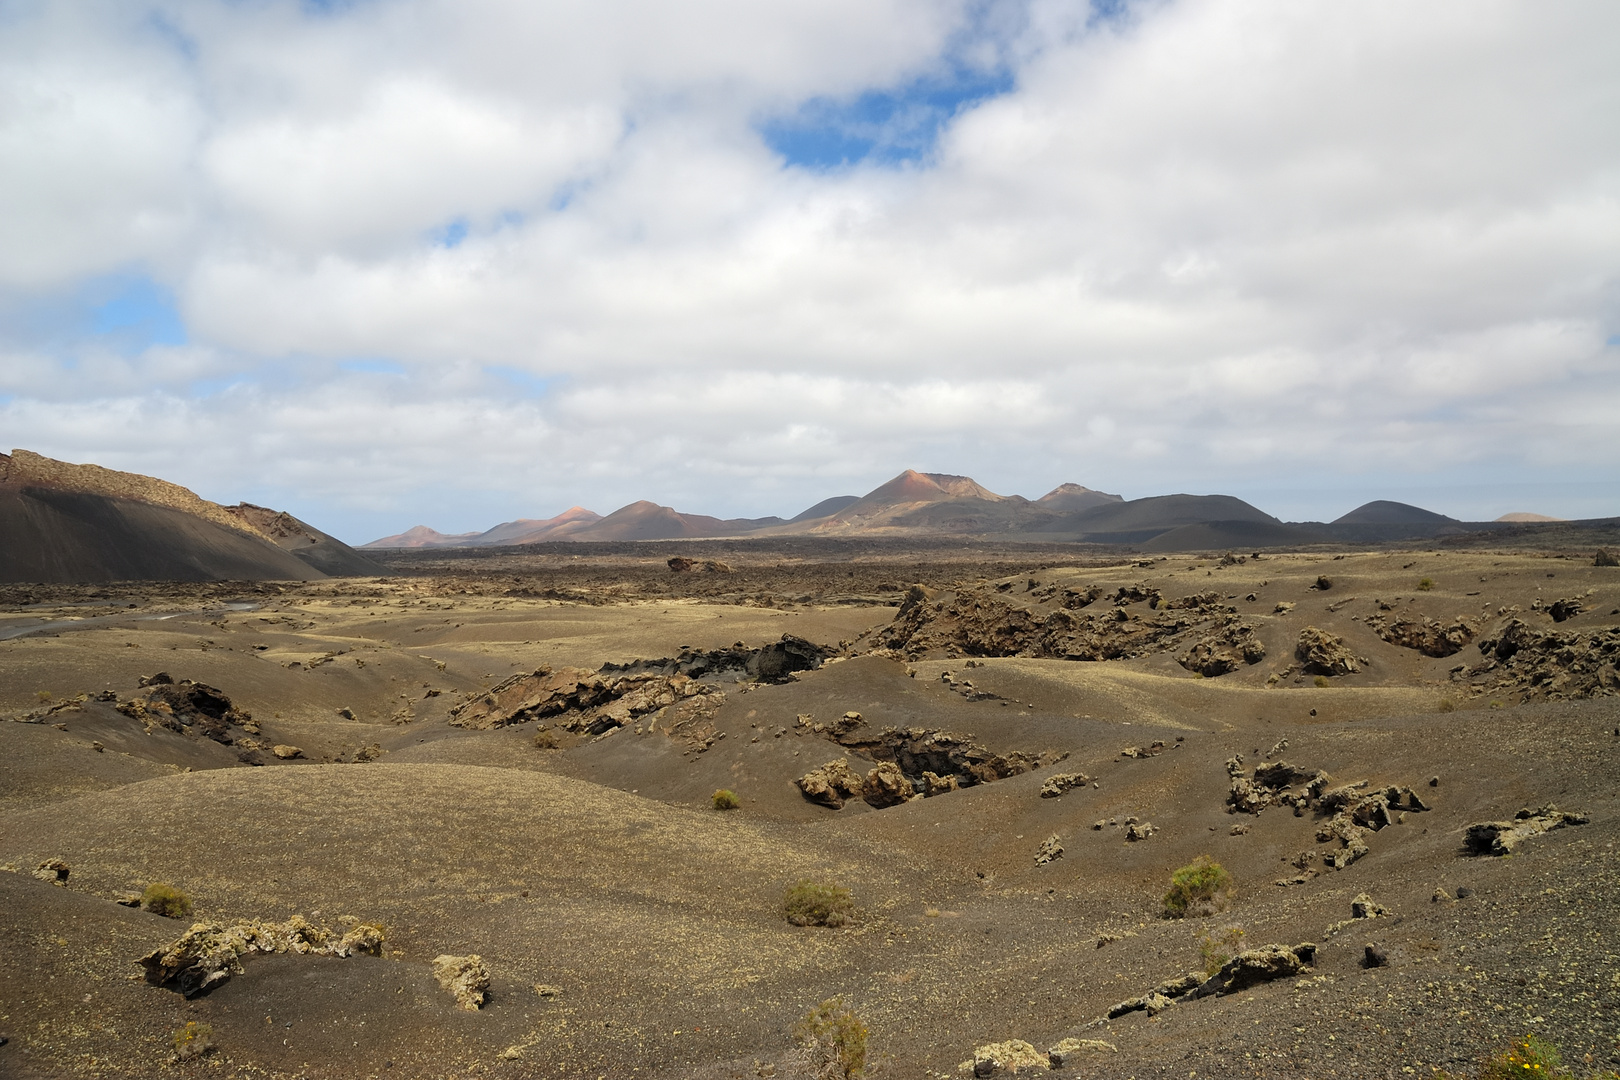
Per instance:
x=600, y=871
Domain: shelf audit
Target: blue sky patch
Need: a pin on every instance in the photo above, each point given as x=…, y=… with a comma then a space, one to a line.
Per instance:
x=886, y=127
x=451, y=235
x=135, y=311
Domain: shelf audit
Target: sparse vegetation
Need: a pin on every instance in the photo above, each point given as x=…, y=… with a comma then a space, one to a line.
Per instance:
x=815, y=903
x=725, y=799
x=1446, y=705
x=193, y=1041
x=1202, y=887
x=836, y=1039
x=1529, y=1056
x=1425, y=585
x=545, y=739
x=161, y=898
x=1321, y=681
x=1216, y=948
x=42, y=696
x=1605, y=558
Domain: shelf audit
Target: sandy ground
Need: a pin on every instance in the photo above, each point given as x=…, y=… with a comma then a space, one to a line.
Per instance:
x=600, y=870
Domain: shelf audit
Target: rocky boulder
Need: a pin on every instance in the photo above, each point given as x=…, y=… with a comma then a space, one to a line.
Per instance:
x=1502, y=837
x=1059, y=783
x=886, y=786
x=1225, y=651
x=1323, y=653
x=464, y=977
x=832, y=784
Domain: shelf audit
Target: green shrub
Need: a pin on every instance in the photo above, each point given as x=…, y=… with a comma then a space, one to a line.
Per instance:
x=1529, y=1056
x=1322, y=682
x=836, y=1037
x=1446, y=705
x=815, y=903
x=1199, y=888
x=161, y=898
x=726, y=799
x=1426, y=584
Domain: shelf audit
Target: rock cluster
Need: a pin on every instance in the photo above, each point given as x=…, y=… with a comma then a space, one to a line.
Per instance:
x=1051, y=850
x=1248, y=968
x=464, y=977
x=1233, y=646
x=1353, y=808
x=210, y=953
x=1426, y=635
x=1048, y=624
x=1502, y=837
x=1058, y=783
x=593, y=703
x=185, y=706
x=1323, y=653
x=1011, y=1056
x=1557, y=666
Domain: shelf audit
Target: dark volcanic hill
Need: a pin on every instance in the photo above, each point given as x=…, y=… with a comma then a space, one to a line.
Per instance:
x=82, y=523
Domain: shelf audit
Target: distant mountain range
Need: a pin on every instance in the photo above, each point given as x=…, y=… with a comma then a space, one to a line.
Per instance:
x=921, y=504
x=61, y=522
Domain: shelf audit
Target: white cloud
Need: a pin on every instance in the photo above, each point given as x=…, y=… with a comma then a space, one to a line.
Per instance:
x=1212, y=245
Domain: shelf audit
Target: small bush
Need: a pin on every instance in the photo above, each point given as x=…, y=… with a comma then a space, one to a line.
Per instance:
x=836, y=1038
x=1216, y=949
x=1605, y=558
x=1426, y=584
x=1529, y=1056
x=814, y=903
x=193, y=1041
x=1321, y=681
x=1446, y=705
x=545, y=739
x=1199, y=888
x=42, y=696
x=726, y=799
x=161, y=898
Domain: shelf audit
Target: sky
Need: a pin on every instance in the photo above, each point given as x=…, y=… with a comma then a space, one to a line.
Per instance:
x=453, y=262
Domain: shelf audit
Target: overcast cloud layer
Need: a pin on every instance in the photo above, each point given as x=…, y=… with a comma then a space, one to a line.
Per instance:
x=457, y=261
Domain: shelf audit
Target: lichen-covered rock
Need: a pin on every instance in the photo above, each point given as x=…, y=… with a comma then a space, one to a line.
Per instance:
x=1050, y=850
x=1058, y=783
x=286, y=752
x=938, y=785
x=832, y=784
x=210, y=953
x=1502, y=837
x=53, y=870
x=1073, y=1051
x=1323, y=653
x=1255, y=966
x=886, y=785
x=464, y=977
x=1011, y=1056
x=1139, y=830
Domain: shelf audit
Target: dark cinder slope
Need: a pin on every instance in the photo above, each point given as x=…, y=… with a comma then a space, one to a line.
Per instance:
x=68, y=536
x=1141, y=520
x=305, y=542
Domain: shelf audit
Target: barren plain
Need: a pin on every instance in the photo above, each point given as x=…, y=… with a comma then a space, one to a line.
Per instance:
x=511, y=755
